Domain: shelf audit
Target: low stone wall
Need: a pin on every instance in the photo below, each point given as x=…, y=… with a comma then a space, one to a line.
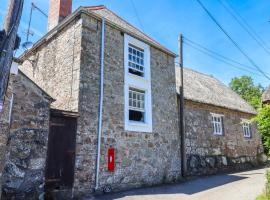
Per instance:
x=206, y=165
x=23, y=175
x=207, y=153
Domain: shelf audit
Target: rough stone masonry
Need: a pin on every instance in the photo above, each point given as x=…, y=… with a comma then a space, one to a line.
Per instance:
x=67, y=66
x=208, y=153
x=23, y=174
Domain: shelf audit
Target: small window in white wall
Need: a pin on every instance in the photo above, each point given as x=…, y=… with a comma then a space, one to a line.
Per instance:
x=246, y=129
x=217, y=123
x=135, y=60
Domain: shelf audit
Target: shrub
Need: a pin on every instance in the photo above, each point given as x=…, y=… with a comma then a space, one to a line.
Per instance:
x=263, y=120
x=267, y=190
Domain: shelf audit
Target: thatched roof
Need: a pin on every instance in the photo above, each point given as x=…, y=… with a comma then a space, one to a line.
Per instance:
x=266, y=95
x=206, y=89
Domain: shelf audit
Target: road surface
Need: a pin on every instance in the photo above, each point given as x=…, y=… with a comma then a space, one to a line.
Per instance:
x=237, y=186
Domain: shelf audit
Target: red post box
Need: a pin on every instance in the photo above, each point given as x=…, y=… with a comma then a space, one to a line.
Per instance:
x=111, y=159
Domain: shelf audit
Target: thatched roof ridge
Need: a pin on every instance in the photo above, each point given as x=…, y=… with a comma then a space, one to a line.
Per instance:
x=266, y=95
x=206, y=89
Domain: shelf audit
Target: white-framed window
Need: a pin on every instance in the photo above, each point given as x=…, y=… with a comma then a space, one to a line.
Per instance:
x=136, y=105
x=135, y=60
x=246, y=128
x=217, y=124
x=137, y=87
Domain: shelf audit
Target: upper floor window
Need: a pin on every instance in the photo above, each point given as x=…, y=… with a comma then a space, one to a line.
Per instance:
x=246, y=129
x=217, y=123
x=135, y=60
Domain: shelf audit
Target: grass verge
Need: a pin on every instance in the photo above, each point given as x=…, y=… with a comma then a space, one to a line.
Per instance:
x=266, y=194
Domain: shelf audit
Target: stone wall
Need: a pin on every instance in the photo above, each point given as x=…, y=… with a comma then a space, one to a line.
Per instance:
x=141, y=158
x=23, y=176
x=4, y=131
x=67, y=66
x=208, y=153
x=55, y=66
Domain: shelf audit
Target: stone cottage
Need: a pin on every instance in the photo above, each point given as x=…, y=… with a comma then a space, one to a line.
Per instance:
x=24, y=145
x=114, y=121
x=218, y=133
x=266, y=96
x=116, y=102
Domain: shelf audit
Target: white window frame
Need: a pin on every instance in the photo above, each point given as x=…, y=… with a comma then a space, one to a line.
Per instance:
x=217, y=125
x=141, y=107
x=140, y=83
x=246, y=126
x=130, y=45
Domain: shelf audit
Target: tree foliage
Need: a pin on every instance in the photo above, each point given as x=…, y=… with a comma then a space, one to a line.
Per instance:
x=245, y=87
x=263, y=120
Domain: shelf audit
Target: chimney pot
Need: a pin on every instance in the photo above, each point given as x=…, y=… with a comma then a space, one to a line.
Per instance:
x=59, y=9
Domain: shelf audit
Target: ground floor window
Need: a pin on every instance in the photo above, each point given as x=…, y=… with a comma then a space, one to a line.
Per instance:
x=217, y=123
x=246, y=129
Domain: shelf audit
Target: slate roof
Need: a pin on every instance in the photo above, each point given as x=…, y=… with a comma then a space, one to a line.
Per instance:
x=114, y=19
x=206, y=89
x=110, y=18
x=266, y=95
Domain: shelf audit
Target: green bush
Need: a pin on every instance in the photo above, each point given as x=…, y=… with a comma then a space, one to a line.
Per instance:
x=267, y=190
x=263, y=120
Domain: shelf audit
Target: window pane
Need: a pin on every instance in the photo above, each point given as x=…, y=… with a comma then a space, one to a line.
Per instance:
x=136, y=60
x=136, y=99
x=134, y=104
x=136, y=116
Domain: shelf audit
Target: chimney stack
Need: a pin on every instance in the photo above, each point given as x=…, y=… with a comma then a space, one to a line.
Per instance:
x=59, y=9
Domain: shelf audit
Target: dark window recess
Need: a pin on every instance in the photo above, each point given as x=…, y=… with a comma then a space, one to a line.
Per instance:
x=136, y=116
x=132, y=71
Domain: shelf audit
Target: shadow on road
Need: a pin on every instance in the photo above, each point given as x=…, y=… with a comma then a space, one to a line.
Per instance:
x=189, y=188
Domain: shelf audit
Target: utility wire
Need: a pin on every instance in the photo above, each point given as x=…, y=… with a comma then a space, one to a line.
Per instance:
x=222, y=60
x=217, y=54
x=137, y=15
x=244, y=27
x=230, y=38
x=247, y=25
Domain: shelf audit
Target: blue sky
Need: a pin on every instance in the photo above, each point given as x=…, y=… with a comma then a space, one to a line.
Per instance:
x=165, y=19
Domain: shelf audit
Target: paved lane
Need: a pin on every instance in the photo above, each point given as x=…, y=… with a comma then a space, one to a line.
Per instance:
x=237, y=186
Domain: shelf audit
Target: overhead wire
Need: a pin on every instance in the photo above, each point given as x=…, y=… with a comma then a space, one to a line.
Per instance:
x=232, y=40
x=247, y=25
x=137, y=15
x=222, y=60
x=218, y=54
x=261, y=44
